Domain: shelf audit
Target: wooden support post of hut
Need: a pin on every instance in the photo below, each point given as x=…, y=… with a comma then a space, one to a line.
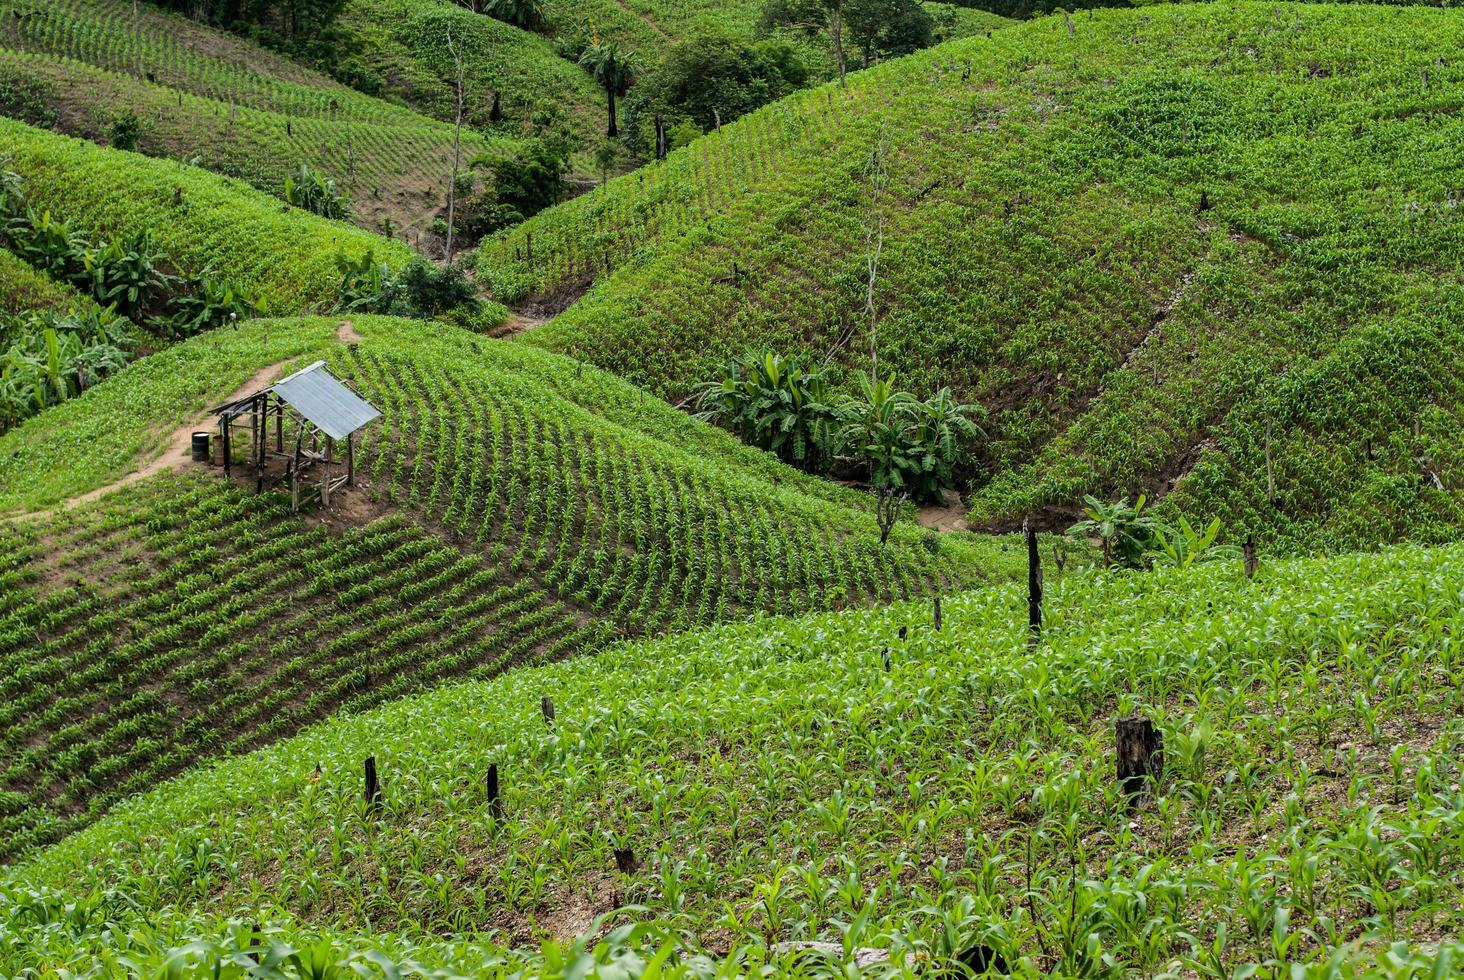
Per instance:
x=314, y=401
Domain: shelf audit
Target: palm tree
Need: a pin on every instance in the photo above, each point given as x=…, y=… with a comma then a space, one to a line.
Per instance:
x=613, y=69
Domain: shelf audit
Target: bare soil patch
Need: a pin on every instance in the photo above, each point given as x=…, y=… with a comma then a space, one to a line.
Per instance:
x=948, y=515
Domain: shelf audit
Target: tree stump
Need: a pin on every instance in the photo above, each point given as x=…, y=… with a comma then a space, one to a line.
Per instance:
x=936, y=610
x=547, y=706
x=625, y=860
x=1139, y=749
x=1250, y=560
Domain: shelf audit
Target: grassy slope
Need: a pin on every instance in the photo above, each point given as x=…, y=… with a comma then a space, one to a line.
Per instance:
x=405, y=41
x=198, y=218
x=533, y=510
x=241, y=110
x=775, y=783
x=1046, y=254
x=24, y=288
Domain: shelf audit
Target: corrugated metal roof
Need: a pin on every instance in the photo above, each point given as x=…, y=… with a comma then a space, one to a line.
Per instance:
x=323, y=400
x=329, y=405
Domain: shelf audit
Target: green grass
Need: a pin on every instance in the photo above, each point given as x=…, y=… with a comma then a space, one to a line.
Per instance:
x=514, y=506
x=405, y=43
x=200, y=219
x=236, y=108
x=776, y=783
x=24, y=288
x=1046, y=254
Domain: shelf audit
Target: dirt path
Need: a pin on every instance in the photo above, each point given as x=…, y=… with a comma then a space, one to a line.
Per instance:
x=175, y=455
x=949, y=515
x=346, y=334
x=516, y=324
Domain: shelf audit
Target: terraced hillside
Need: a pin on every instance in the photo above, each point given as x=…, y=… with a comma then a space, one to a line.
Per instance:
x=772, y=782
x=247, y=113
x=201, y=220
x=650, y=26
x=1153, y=243
x=517, y=508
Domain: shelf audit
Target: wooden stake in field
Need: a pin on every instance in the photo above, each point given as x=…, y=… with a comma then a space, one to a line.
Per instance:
x=1034, y=581
x=495, y=803
x=1248, y=550
x=546, y=705
x=373, y=786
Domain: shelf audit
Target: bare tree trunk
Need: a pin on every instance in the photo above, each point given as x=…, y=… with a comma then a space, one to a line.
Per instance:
x=612, y=130
x=874, y=247
x=838, y=14
x=457, y=129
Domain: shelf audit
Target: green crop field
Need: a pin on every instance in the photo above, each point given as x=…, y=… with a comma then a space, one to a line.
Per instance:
x=530, y=510
x=24, y=288
x=201, y=220
x=772, y=782
x=578, y=677
x=1140, y=243
x=238, y=110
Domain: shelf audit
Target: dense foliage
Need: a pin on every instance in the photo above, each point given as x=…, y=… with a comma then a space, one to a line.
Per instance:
x=780, y=781
x=898, y=443
x=1140, y=242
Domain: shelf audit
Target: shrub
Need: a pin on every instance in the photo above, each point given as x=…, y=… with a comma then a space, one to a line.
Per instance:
x=124, y=131
x=317, y=194
x=1125, y=532
x=780, y=404
x=909, y=446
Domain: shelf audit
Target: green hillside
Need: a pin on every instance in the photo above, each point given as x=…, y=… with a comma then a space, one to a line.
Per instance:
x=199, y=219
x=236, y=108
x=1140, y=242
x=773, y=782
x=24, y=288
x=403, y=46
x=516, y=508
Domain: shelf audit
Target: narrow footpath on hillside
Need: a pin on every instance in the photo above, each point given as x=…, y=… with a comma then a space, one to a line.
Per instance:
x=177, y=450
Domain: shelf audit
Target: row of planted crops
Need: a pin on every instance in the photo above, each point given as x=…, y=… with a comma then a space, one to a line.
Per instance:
x=544, y=510
x=859, y=778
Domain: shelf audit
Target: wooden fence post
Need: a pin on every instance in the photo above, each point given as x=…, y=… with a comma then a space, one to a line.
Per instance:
x=1034, y=581
x=495, y=803
x=373, y=787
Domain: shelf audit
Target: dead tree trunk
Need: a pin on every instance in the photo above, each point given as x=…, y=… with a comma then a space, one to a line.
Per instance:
x=546, y=704
x=373, y=786
x=935, y=607
x=456, y=140
x=1034, y=581
x=1250, y=561
x=1139, y=750
x=495, y=803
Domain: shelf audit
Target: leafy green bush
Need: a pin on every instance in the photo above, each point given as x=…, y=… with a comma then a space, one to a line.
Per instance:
x=125, y=130
x=51, y=357
x=780, y=404
x=317, y=194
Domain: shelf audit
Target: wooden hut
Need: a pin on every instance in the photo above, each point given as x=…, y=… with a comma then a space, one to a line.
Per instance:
x=322, y=414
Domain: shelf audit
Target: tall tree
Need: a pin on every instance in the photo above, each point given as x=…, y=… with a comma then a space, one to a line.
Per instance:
x=614, y=70
x=835, y=9
x=457, y=130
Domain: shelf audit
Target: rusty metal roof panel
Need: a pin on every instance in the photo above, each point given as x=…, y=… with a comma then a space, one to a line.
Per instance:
x=328, y=404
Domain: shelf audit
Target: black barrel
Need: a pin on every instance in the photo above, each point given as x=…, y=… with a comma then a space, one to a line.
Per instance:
x=200, y=447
